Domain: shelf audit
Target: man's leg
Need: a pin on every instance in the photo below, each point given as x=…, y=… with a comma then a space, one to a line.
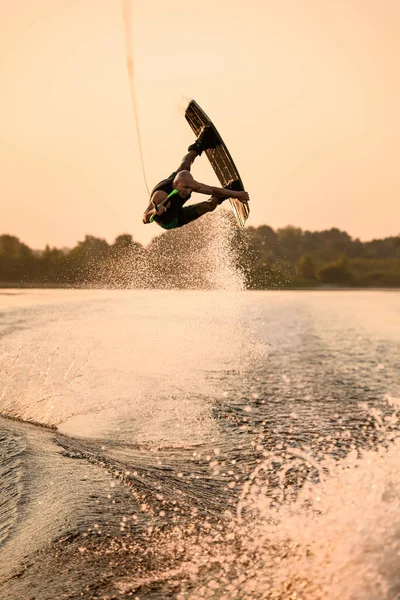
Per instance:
x=187, y=161
x=195, y=211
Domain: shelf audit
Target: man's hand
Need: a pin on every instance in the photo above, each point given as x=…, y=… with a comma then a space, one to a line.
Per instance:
x=153, y=210
x=242, y=196
x=161, y=208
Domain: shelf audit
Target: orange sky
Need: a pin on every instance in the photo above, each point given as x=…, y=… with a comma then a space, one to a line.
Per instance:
x=306, y=94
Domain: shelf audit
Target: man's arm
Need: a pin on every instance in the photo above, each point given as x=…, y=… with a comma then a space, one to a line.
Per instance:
x=202, y=188
x=155, y=207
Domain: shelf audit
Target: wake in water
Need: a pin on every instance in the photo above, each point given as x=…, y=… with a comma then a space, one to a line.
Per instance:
x=303, y=529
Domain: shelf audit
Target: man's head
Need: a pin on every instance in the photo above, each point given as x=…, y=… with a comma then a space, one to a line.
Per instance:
x=184, y=183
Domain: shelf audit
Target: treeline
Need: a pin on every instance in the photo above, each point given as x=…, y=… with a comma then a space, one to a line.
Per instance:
x=190, y=258
x=290, y=257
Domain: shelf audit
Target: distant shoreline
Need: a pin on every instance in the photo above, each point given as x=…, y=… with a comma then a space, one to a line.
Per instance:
x=319, y=288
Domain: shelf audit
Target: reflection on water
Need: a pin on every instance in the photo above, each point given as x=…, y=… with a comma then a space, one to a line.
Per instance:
x=208, y=444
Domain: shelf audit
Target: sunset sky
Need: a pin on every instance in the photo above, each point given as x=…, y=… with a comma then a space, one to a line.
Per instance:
x=306, y=94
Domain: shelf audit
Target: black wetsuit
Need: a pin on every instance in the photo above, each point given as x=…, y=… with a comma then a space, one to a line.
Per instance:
x=177, y=214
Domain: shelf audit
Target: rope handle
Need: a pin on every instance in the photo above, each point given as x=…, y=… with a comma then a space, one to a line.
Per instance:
x=152, y=218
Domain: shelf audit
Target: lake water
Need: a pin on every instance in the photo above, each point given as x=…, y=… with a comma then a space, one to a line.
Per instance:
x=184, y=444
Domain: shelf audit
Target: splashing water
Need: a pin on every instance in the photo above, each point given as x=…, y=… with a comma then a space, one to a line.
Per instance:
x=336, y=537
x=100, y=353
x=221, y=255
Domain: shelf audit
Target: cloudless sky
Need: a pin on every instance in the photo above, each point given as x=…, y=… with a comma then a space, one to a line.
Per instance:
x=306, y=94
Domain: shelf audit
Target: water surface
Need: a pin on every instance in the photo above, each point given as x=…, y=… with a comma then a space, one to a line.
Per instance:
x=190, y=444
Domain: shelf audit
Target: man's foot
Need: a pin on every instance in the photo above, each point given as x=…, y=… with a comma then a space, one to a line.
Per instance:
x=208, y=139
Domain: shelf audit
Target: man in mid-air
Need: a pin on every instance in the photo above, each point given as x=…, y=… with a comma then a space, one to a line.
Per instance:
x=168, y=197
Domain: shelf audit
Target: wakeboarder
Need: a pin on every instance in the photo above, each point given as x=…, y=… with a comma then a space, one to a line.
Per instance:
x=169, y=196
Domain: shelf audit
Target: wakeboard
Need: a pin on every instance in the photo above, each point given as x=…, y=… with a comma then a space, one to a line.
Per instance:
x=221, y=161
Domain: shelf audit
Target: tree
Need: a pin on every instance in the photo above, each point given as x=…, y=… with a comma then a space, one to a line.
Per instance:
x=335, y=272
x=17, y=261
x=50, y=266
x=305, y=268
x=290, y=240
